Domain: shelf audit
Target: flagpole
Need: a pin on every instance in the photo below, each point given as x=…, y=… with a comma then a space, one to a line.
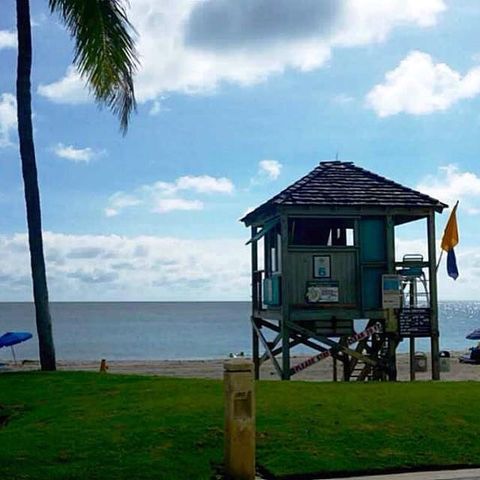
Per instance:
x=439, y=260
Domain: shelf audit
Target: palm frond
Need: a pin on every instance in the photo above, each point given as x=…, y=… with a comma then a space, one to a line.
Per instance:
x=105, y=52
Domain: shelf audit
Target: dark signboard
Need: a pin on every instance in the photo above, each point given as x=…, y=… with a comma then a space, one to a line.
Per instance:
x=415, y=322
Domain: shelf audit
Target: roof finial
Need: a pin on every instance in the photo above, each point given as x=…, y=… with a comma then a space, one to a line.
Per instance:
x=336, y=156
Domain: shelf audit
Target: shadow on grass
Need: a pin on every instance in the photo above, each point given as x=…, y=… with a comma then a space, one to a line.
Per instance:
x=7, y=413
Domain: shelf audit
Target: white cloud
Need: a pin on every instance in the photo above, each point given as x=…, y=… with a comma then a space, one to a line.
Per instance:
x=198, y=184
x=77, y=155
x=113, y=267
x=342, y=99
x=7, y=39
x=133, y=268
x=8, y=118
x=420, y=86
x=451, y=184
x=191, y=47
x=158, y=106
x=204, y=184
x=69, y=89
x=268, y=171
x=119, y=201
x=164, y=205
x=270, y=168
x=163, y=197
x=111, y=212
x=370, y=21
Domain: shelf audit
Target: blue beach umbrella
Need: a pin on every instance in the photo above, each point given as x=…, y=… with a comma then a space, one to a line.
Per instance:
x=475, y=335
x=10, y=339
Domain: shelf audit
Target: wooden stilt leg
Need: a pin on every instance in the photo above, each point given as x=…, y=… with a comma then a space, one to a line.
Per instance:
x=392, y=353
x=255, y=353
x=285, y=352
x=412, y=359
x=435, y=352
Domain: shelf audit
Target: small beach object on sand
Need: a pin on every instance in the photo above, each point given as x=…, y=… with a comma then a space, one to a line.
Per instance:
x=475, y=335
x=103, y=366
x=474, y=356
x=10, y=339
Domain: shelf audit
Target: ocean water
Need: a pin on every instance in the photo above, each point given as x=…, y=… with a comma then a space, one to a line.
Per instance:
x=183, y=330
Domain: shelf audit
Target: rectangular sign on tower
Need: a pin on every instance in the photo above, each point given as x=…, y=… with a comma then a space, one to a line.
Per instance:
x=415, y=322
x=391, y=293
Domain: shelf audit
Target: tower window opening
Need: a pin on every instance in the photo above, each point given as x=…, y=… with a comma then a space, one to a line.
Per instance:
x=323, y=232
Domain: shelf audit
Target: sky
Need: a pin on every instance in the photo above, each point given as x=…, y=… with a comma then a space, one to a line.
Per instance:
x=236, y=100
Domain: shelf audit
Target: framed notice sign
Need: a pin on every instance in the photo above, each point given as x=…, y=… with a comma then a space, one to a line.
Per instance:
x=321, y=292
x=391, y=292
x=321, y=266
x=415, y=322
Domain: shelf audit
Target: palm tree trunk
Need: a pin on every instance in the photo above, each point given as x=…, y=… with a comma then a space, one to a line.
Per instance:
x=32, y=195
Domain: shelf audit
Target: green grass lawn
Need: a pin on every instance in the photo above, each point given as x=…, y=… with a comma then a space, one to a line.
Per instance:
x=87, y=425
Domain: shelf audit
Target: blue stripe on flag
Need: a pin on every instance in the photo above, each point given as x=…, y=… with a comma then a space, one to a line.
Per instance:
x=452, y=269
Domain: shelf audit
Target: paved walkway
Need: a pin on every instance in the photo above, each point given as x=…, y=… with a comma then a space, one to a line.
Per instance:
x=470, y=474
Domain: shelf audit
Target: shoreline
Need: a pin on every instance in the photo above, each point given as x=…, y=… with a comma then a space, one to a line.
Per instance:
x=213, y=368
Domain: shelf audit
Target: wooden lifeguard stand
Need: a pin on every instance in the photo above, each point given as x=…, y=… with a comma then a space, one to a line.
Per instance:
x=329, y=260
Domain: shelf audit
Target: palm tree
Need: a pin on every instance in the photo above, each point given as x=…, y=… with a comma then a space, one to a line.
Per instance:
x=105, y=56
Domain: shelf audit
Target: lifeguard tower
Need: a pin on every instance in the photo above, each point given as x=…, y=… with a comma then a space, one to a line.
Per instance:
x=327, y=260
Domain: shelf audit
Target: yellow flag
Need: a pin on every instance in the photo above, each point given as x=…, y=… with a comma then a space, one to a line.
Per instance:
x=450, y=235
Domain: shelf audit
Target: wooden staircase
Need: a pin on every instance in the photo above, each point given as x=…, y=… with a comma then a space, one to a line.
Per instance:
x=376, y=349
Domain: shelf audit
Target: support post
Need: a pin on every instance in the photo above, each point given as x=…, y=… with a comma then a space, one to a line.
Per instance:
x=392, y=370
x=391, y=318
x=432, y=274
x=346, y=369
x=254, y=258
x=345, y=362
x=390, y=239
x=239, y=420
x=255, y=301
x=412, y=359
x=413, y=298
x=285, y=351
x=285, y=298
x=255, y=351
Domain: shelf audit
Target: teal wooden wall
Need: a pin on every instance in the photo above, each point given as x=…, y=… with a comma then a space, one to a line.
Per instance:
x=373, y=259
x=343, y=269
x=358, y=270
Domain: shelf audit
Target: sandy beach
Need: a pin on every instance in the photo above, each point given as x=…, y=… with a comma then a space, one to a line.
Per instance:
x=321, y=371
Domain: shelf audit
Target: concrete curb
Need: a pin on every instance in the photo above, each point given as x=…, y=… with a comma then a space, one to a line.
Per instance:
x=467, y=474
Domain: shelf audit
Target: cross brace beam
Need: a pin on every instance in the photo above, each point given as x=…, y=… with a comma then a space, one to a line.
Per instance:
x=267, y=347
x=335, y=345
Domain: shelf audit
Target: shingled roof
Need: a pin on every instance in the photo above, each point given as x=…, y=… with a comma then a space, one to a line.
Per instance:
x=337, y=183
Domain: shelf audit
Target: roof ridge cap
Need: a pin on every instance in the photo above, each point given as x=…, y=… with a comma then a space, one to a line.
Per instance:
x=335, y=162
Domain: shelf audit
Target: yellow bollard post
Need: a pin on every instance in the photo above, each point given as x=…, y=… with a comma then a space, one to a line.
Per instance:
x=239, y=419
